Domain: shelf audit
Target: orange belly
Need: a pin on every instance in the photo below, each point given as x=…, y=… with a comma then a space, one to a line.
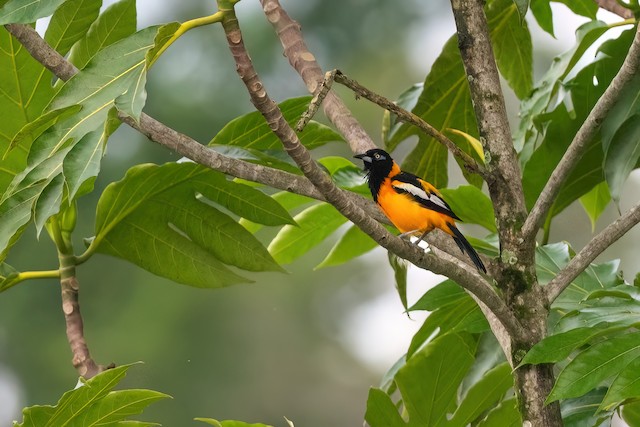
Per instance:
x=408, y=215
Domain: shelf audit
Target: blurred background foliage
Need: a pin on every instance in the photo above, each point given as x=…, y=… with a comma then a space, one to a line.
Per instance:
x=284, y=345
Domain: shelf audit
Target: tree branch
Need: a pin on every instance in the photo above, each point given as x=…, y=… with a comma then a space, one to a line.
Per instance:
x=614, y=7
x=193, y=150
x=443, y=264
x=504, y=175
x=304, y=62
x=586, y=132
x=595, y=247
x=406, y=117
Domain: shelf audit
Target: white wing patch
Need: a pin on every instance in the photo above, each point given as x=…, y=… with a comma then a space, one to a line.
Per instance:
x=419, y=192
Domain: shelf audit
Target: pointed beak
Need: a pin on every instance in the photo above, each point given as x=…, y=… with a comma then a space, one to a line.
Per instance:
x=364, y=158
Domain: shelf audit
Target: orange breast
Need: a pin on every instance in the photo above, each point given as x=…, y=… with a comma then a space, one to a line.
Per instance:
x=408, y=215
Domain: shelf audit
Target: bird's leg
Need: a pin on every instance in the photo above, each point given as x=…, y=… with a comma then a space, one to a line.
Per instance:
x=422, y=236
x=408, y=234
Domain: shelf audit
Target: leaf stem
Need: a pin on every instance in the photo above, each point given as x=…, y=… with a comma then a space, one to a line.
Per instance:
x=184, y=27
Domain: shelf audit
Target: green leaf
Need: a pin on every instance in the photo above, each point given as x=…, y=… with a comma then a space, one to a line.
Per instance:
x=70, y=23
x=445, y=102
x=622, y=155
x=228, y=423
x=444, y=293
x=512, y=44
x=522, y=6
x=252, y=130
x=115, y=23
x=27, y=11
x=530, y=130
x=406, y=100
x=351, y=244
x=94, y=88
x=595, y=364
x=631, y=413
x=582, y=411
x=92, y=402
x=585, y=8
x=625, y=386
x=400, y=267
x=381, y=411
x=558, y=347
x=155, y=219
x=541, y=10
x=595, y=202
x=23, y=96
x=483, y=395
x=506, y=414
x=165, y=33
x=428, y=384
x=471, y=205
x=288, y=201
x=465, y=316
x=32, y=130
x=8, y=275
x=314, y=225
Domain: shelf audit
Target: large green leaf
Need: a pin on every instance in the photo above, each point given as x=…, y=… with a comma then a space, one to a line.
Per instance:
x=512, y=44
x=506, y=414
x=471, y=205
x=452, y=310
x=488, y=391
x=22, y=99
x=543, y=96
x=595, y=364
x=161, y=219
x=445, y=102
x=428, y=385
x=27, y=11
x=314, y=225
x=115, y=23
x=92, y=403
x=595, y=202
x=229, y=423
x=353, y=243
x=541, y=10
x=252, y=130
x=585, y=8
x=622, y=155
x=95, y=88
x=70, y=23
x=583, y=411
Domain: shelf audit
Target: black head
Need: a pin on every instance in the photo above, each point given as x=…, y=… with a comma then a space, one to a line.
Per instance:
x=378, y=164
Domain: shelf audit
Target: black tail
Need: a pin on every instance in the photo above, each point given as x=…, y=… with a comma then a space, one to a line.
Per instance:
x=466, y=247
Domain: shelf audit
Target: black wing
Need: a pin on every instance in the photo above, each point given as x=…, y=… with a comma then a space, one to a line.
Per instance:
x=406, y=183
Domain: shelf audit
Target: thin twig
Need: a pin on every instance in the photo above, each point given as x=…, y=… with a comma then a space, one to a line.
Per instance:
x=444, y=264
x=316, y=101
x=595, y=247
x=408, y=117
x=580, y=141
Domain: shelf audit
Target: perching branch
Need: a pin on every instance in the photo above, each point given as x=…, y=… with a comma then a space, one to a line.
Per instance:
x=450, y=266
x=614, y=7
x=402, y=114
x=595, y=247
x=585, y=134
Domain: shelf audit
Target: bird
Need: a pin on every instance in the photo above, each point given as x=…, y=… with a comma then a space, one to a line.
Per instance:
x=412, y=204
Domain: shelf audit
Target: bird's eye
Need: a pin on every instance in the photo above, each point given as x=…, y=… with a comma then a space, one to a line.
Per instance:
x=377, y=155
